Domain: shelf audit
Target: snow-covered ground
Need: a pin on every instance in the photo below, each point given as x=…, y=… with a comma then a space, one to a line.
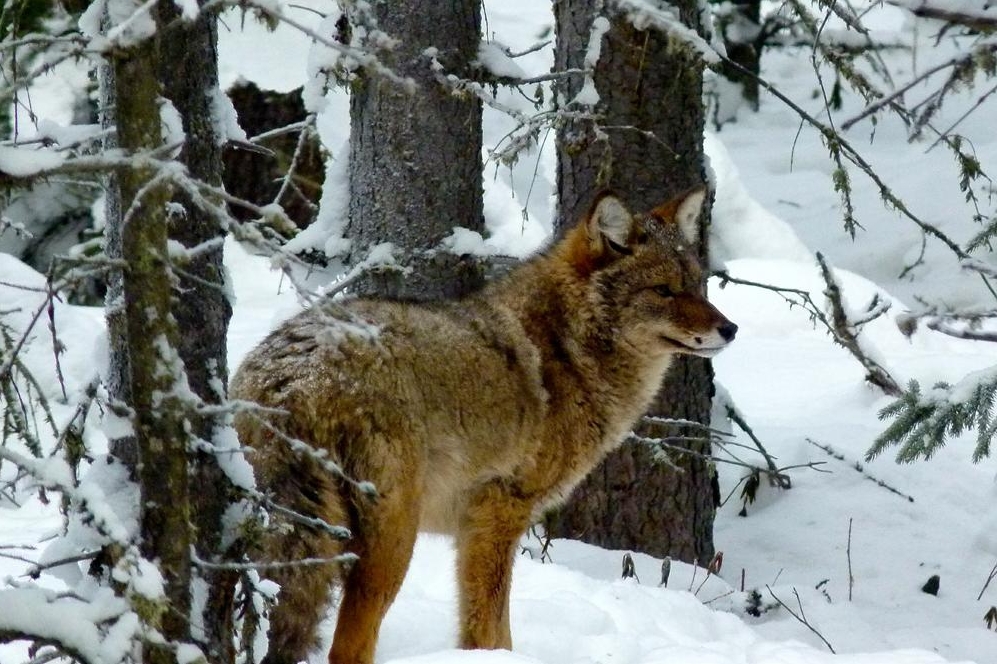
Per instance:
x=855, y=552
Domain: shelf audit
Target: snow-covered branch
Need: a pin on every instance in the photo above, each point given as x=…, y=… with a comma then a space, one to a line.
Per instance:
x=961, y=324
x=981, y=16
x=645, y=15
x=923, y=421
x=94, y=630
x=842, y=328
x=846, y=331
x=354, y=57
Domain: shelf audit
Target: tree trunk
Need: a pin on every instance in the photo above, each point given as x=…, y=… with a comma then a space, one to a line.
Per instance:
x=258, y=178
x=144, y=375
x=741, y=30
x=415, y=158
x=647, y=148
x=189, y=74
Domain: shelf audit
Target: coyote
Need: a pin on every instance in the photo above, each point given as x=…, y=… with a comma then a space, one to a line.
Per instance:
x=468, y=417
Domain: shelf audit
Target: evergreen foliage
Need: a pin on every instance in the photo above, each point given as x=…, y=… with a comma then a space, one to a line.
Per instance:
x=922, y=422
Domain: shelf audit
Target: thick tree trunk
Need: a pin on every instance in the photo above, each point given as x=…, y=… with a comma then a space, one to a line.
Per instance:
x=144, y=336
x=415, y=157
x=189, y=74
x=647, y=148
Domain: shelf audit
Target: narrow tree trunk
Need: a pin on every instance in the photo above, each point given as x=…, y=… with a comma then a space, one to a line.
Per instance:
x=647, y=148
x=147, y=337
x=189, y=74
x=743, y=41
x=415, y=158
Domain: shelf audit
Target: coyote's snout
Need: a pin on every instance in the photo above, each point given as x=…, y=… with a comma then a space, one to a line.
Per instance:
x=469, y=417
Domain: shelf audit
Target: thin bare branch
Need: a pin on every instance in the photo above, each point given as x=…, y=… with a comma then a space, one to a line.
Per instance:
x=801, y=616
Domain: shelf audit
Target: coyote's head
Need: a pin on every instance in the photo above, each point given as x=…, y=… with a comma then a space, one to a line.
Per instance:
x=645, y=271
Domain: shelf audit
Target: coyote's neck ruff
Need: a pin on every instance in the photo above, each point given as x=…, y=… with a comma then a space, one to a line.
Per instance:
x=469, y=417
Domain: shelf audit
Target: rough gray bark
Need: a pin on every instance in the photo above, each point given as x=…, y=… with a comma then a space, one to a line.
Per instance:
x=415, y=158
x=647, y=148
x=189, y=74
x=119, y=369
x=143, y=330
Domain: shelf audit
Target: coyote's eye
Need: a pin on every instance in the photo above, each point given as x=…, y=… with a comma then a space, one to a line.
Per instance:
x=663, y=291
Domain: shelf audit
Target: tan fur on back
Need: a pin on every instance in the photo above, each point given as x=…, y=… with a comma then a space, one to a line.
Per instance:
x=469, y=417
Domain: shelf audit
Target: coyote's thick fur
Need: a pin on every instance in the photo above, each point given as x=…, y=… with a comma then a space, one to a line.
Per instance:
x=469, y=417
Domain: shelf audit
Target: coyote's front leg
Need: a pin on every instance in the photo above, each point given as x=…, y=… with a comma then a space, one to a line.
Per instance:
x=493, y=521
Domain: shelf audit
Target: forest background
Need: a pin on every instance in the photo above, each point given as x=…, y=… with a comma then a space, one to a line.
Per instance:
x=856, y=551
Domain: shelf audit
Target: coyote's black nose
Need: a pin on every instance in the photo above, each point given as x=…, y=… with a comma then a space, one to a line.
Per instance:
x=728, y=330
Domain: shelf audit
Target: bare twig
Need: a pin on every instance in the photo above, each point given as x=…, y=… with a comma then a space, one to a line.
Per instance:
x=38, y=568
x=545, y=543
x=57, y=347
x=859, y=468
x=734, y=461
x=801, y=617
x=838, y=325
x=303, y=136
x=990, y=577
x=960, y=332
x=848, y=554
x=776, y=478
x=342, y=559
x=712, y=569
x=364, y=58
x=897, y=94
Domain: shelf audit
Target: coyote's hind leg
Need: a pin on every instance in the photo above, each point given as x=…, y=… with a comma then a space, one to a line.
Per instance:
x=385, y=535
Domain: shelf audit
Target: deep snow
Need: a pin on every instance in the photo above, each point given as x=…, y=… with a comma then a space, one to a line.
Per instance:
x=775, y=205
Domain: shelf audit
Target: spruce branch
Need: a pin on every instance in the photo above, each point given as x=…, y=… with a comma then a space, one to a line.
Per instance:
x=922, y=422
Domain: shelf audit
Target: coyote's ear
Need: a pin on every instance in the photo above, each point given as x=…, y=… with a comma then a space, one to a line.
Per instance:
x=609, y=224
x=684, y=212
